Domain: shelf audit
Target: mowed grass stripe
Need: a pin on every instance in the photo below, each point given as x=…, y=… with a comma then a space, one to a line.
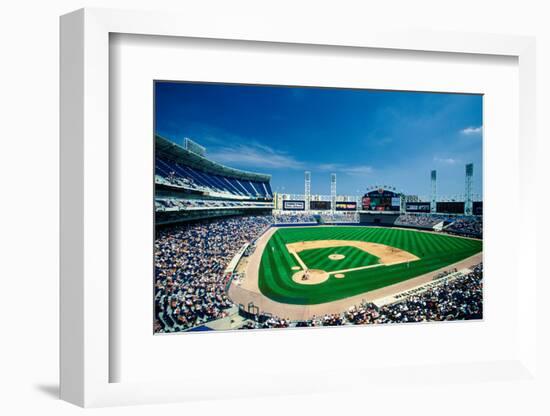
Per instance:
x=354, y=257
x=360, y=258
x=435, y=251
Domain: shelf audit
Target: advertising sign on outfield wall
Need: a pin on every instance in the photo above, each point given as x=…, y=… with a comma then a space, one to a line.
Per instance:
x=294, y=205
x=418, y=207
x=346, y=206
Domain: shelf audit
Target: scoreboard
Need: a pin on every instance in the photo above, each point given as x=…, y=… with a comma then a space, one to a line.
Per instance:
x=319, y=205
x=381, y=200
x=450, y=207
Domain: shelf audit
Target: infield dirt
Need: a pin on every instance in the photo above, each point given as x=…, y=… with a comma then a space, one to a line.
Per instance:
x=385, y=254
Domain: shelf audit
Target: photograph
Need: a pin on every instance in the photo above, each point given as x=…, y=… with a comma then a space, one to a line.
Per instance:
x=281, y=206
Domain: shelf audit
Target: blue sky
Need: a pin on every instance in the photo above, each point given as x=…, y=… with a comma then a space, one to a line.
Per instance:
x=366, y=137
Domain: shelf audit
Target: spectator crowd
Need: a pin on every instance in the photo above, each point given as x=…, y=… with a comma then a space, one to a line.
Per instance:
x=178, y=204
x=190, y=261
x=461, y=225
x=471, y=226
x=293, y=218
x=457, y=299
x=340, y=217
x=419, y=220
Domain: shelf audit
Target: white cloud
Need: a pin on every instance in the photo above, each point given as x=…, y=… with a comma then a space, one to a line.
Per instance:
x=252, y=154
x=255, y=155
x=347, y=169
x=211, y=140
x=358, y=170
x=329, y=167
x=445, y=160
x=472, y=131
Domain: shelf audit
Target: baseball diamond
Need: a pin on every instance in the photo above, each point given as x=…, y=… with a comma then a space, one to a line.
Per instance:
x=433, y=251
x=328, y=258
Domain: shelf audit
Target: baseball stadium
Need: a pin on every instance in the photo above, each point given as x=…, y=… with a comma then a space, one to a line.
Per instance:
x=296, y=207
x=232, y=254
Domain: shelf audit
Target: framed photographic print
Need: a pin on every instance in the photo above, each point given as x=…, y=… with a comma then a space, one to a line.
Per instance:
x=297, y=211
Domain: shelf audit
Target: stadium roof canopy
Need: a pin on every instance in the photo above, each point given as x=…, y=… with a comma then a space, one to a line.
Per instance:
x=177, y=153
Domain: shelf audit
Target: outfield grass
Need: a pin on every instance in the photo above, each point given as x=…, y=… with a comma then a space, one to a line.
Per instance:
x=275, y=279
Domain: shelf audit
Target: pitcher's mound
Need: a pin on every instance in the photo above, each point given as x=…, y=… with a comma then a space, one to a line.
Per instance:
x=295, y=268
x=339, y=275
x=310, y=277
x=336, y=256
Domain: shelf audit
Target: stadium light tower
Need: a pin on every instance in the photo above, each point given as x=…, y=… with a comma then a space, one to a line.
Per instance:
x=434, y=191
x=307, y=188
x=468, y=205
x=333, y=191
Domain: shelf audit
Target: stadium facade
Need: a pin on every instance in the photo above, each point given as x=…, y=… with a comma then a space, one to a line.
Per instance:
x=189, y=186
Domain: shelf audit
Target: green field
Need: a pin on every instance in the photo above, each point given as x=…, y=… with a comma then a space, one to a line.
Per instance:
x=275, y=278
x=318, y=258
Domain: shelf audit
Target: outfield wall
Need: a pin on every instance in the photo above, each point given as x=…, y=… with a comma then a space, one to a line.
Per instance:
x=378, y=219
x=295, y=224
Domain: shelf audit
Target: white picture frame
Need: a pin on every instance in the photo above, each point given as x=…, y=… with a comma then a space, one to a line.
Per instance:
x=85, y=182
